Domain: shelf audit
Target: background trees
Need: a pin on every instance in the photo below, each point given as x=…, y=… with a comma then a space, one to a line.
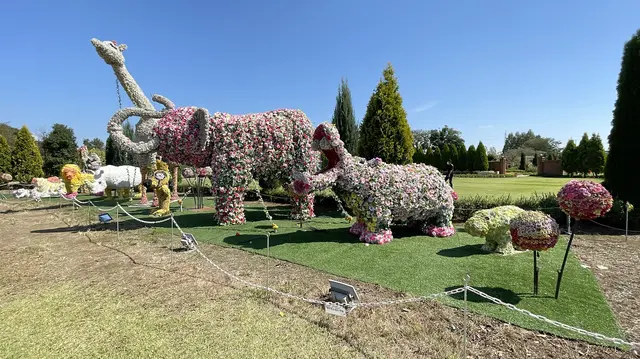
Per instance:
x=622, y=171
x=384, y=131
x=26, y=161
x=596, y=157
x=344, y=118
x=59, y=147
x=481, y=162
x=113, y=154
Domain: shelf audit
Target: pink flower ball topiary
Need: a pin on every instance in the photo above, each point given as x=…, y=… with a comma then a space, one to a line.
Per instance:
x=584, y=199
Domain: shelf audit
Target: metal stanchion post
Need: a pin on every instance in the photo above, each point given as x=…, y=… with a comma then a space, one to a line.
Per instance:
x=268, y=257
x=626, y=221
x=568, y=224
x=118, y=221
x=466, y=317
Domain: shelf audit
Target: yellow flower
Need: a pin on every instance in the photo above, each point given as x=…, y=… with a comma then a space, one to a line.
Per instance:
x=349, y=218
x=274, y=226
x=179, y=201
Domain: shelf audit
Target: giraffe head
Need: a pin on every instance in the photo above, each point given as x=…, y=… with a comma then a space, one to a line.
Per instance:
x=110, y=51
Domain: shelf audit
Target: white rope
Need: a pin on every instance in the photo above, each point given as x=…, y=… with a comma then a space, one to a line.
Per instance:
x=141, y=220
x=553, y=322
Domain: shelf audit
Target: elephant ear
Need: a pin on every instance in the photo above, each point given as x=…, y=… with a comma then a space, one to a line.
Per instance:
x=201, y=119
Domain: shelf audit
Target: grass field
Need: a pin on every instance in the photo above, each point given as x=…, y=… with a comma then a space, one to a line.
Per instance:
x=422, y=265
x=514, y=187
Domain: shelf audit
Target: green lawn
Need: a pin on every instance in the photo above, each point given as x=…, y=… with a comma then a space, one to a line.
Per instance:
x=423, y=265
x=516, y=186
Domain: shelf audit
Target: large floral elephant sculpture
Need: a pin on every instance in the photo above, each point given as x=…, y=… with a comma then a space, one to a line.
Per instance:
x=379, y=193
x=269, y=145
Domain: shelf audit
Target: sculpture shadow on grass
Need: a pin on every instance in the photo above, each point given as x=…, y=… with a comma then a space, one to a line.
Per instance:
x=259, y=241
x=463, y=251
x=506, y=295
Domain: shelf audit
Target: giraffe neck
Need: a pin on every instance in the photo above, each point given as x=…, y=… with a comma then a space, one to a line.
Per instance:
x=131, y=88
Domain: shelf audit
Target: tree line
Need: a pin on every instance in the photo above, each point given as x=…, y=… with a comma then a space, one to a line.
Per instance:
x=25, y=157
x=587, y=157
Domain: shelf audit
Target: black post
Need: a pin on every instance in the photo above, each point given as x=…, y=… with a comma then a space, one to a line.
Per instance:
x=536, y=270
x=566, y=254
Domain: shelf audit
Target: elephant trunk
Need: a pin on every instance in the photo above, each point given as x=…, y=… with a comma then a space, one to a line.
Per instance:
x=136, y=147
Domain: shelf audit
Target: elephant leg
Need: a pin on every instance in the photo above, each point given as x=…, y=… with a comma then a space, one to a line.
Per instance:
x=302, y=206
x=503, y=243
x=229, y=205
x=441, y=225
x=374, y=233
x=358, y=227
x=127, y=193
x=141, y=187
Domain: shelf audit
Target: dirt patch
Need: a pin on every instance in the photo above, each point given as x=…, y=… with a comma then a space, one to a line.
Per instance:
x=45, y=248
x=615, y=262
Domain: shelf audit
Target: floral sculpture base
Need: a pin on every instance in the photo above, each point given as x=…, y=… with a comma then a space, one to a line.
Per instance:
x=378, y=193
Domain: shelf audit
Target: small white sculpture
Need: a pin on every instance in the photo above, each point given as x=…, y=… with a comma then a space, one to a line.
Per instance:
x=119, y=178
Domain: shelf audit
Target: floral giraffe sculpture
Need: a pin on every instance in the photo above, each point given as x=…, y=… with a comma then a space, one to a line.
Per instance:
x=380, y=193
x=269, y=145
x=112, y=54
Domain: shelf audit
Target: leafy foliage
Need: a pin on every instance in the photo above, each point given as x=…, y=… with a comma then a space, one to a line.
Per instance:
x=384, y=131
x=113, y=154
x=5, y=156
x=462, y=157
x=26, y=161
x=481, y=162
x=344, y=118
x=9, y=133
x=95, y=143
x=59, y=148
x=445, y=136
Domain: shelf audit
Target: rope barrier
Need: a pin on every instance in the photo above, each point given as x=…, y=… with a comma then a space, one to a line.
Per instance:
x=619, y=229
x=554, y=322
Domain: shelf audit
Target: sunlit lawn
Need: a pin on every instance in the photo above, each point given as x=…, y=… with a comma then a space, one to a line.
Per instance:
x=515, y=187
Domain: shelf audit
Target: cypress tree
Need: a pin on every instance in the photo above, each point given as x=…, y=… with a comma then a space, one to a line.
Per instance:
x=583, y=153
x=621, y=169
x=446, y=154
x=471, y=158
x=5, y=156
x=481, y=162
x=462, y=157
x=437, y=158
x=59, y=148
x=523, y=162
x=384, y=131
x=428, y=157
x=418, y=156
x=535, y=159
x=454, y=156
x=26, y=161
x=570, y=158
x=596, y=156
x=344, y=118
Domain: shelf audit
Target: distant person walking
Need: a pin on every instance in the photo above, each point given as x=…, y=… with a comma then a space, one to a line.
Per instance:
x=449, y=176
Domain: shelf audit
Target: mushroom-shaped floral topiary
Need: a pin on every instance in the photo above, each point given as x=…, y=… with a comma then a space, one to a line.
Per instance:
x=584, y=200
x=536, y=231
x=493, y=225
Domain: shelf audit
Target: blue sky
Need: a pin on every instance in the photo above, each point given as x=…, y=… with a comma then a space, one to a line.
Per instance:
x=483, y=67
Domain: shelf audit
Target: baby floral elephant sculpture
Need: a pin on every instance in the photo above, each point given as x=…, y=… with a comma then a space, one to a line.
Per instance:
x=379, y=193
x=493, y=225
